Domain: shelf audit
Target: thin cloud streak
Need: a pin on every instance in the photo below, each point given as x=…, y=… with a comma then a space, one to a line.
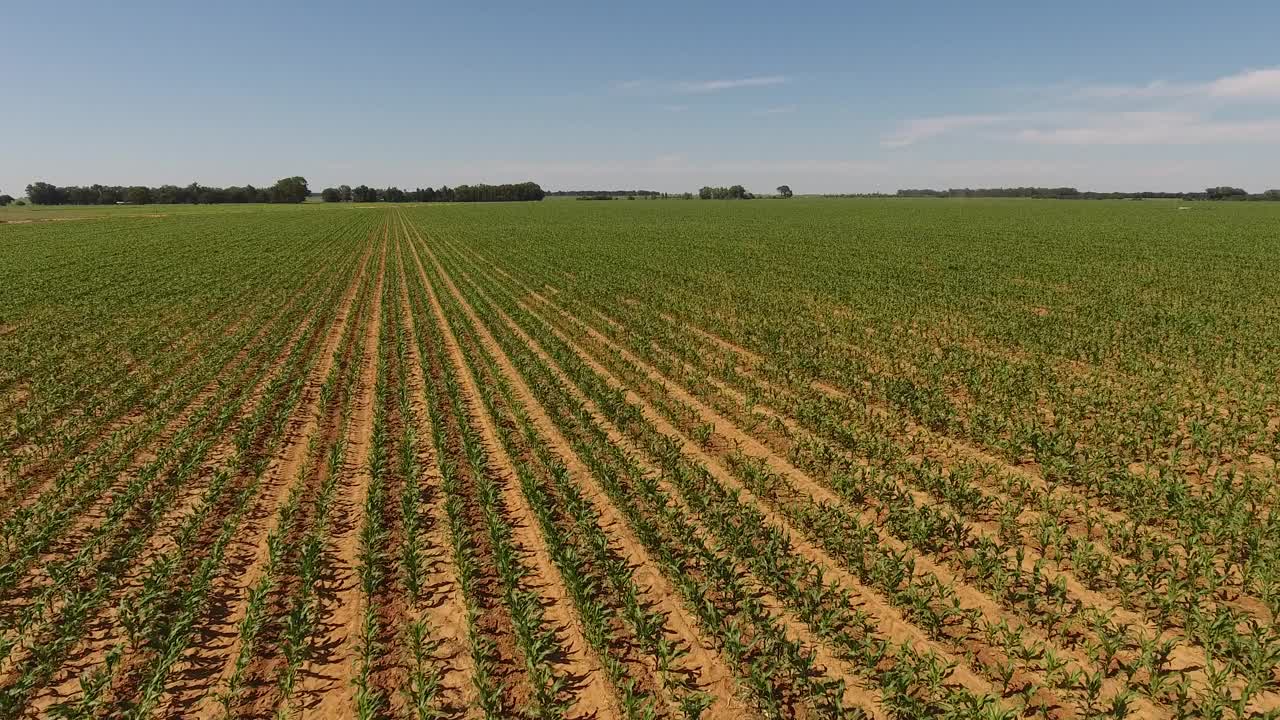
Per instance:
x=1093, y=128
x=1086, y=125
x=698, y=87
x=776, y=110
x=1252, y=84
x=919, y=129
x=1155, y=128
x=1263, y=84
x=710, y=86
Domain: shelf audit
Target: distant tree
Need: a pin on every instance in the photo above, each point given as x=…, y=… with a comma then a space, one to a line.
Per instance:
x=331, y=195
x=511, y=192
x=344, y=193
x=166, y=194
x=138, y=195
x=290, y=190
x=785, y=191
x=42, y=193
x=1226, y=192
x=76, y=195
x=108, y=195
x=5, y=200
x=1271, y=195
x=654, y=194
x=733, y=192
x=240, y=194
x=20, y=203
x=363, y=194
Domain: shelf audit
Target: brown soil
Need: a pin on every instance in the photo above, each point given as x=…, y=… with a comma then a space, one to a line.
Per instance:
x=1189, y=659
x=195, y=692
x=491, y=632
x=593, y=697
x=105, y=631
x=442, y=604
x=706, y=664
x=325, y=688
x=887, y=618
x=713, y=674
x=110, y=632
x=34, y=479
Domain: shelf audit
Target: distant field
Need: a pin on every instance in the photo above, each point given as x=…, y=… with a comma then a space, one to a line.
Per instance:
x=775, y=459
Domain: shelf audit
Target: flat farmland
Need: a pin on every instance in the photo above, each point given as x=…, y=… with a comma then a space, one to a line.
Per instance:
x=641, y=459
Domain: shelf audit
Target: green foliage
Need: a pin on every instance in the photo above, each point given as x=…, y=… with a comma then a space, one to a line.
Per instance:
x=970, y=459
x=734, y=192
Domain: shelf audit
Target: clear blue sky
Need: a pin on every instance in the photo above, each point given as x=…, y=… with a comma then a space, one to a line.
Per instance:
x=824, y=96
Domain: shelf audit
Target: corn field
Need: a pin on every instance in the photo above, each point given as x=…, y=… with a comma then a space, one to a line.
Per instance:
x=802, y=459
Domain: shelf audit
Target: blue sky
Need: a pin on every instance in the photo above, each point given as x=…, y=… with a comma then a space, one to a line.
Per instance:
x=825, y=97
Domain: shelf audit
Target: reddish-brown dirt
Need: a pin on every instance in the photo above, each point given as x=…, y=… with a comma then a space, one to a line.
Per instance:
x=593, y=697
x=524, y=413
x=700, y=662
x=442, y=606
x=197, y=695
x=326, y=687
x=704, y=663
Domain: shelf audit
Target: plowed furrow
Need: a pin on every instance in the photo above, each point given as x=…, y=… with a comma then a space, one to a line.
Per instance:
x=593, y=697
x=206, y=666
x=440, y=606
x=707, y=667
x=991, y=612
x=888, y=618
x=325, y=686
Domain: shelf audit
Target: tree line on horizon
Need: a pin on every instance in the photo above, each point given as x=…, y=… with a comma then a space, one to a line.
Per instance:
x=607, y=193
x=508, y=192
x=287, y=190
x=295, y=190
x=738, y=192
x=1224, y=192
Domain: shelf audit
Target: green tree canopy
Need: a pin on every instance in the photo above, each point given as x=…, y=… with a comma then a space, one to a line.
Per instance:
x=290, y=190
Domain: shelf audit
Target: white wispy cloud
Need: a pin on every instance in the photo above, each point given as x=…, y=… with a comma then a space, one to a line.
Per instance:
x=1151, y=90
x=1154, y=128
x=710, y=86
x=1263, y=84
x=918, y=129
x=698, y=87
x=775, y=110
x=1173, y=114
x=1252, y=84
